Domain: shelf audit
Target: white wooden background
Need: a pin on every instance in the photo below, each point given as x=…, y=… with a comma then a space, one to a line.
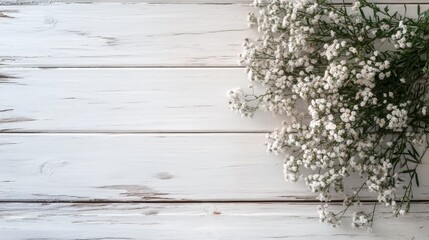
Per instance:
x=114, y=125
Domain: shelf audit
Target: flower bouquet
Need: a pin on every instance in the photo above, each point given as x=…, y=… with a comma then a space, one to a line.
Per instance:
x=352, y=82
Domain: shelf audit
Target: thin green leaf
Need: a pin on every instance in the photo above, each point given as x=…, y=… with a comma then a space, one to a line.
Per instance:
x=405, y=6
x=362, y=14
x=417, y=180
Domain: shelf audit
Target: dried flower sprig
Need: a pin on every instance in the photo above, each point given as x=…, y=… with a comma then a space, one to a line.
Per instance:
x=362, y=73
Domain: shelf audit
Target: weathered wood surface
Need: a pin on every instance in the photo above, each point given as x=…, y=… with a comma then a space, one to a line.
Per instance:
x=225, y=2
x=124, y=100
x=175, y=141
x=141, y=167
x=148, y=167
x=114, y=34
x=196, y=221
x=123, y=35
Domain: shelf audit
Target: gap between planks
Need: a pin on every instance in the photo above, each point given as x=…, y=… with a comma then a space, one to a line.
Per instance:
x=11, y=131
x=176, y=2
x=43, y=66
x=105, y=201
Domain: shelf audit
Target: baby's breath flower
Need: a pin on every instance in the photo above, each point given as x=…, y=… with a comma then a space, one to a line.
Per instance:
x=364, y=105
x=356, y=6
x=361, y=220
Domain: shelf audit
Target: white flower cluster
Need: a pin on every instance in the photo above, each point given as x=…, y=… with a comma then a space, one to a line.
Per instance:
x=238, y=102
x=313, y=53
x=328, y=216
x=400, y=37
x=361, y=219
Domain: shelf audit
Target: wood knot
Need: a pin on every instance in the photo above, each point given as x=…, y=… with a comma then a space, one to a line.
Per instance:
x=48, y=168
x=164, y=176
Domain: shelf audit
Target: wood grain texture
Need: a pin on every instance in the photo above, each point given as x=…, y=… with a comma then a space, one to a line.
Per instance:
x=196, y=221
x=132, y=165
x=123, y=35
x=141, y=167
x=159, y=100
x=225, y=2
x=148, y=167
x=139, y=34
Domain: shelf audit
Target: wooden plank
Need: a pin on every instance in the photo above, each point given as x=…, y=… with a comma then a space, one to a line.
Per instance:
x=138, y=34
x=45, y=2
x=148, y=167
x=196, y=221
x=124, y=100
x=140, y=167
x=32, y=2
x=123, y=34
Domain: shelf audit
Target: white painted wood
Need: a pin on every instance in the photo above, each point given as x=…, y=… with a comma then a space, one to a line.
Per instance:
x=196, y=221
x=148, y=167
x=26, y=2
x=125, y=100
x=123, y=34
x=114, y=34
x=144, y=167
x=141, y=167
